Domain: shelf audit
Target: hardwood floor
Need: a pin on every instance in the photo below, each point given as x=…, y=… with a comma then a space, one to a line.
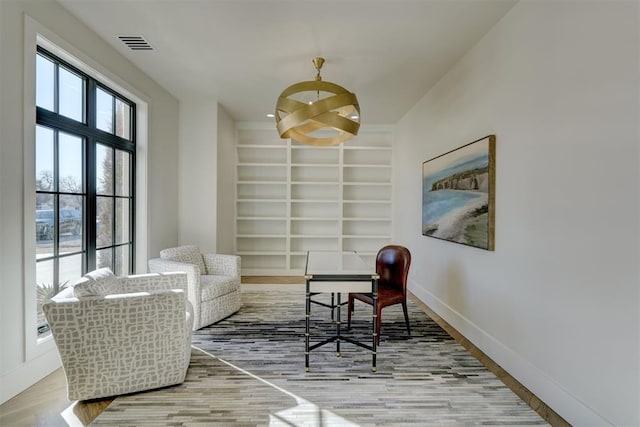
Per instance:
x=45, y=403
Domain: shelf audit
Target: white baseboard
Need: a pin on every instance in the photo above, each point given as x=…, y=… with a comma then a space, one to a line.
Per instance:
x=27, y=374
x=538, y=382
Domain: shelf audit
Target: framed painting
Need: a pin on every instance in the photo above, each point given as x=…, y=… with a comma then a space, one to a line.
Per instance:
x=458, y=194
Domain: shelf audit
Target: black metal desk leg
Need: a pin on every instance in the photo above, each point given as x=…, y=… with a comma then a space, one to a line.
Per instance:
x=374, y=295
x=306, y=327
x=338, y=326
x=333, y=306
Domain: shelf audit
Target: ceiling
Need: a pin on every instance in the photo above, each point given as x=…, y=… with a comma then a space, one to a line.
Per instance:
x=245, y=52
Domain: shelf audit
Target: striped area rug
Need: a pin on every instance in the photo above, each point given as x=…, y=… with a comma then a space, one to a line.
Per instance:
x=249, y=370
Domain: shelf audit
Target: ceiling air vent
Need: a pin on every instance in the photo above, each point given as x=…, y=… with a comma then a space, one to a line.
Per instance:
x=136, y=42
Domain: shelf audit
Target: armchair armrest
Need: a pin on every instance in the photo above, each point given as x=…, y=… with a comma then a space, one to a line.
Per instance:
x=153, y=282
x=159, y=265
x=223, y=265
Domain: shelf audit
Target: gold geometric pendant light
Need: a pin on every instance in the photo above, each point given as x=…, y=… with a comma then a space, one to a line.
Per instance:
x=330, y=117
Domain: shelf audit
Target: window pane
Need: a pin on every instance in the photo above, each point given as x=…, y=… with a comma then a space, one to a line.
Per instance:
x=123, y=173
x=70, y=94
x=44, y=159
x=44, y=225
x=122, y=261
x=122, y=221
x=70, y=223
x=70, y=269
x=104, y=169
x=45, y=76
x=44, y=286
x=70, y=163
x=104, y=111
x=104, y=258
x=104, y=221
x=123, y=120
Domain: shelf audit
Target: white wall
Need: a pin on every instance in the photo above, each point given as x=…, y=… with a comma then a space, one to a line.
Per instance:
x=226, y=183
x=17, y=369
x=198, y=173
x=557, y=303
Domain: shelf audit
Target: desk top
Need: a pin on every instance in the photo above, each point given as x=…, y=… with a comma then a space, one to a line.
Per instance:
x=335, y=264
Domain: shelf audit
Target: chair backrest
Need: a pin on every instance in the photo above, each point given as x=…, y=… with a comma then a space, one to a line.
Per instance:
x=189, y=254
x=392, y=264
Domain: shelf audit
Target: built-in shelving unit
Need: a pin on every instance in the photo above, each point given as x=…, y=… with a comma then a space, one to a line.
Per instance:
x=292, y=197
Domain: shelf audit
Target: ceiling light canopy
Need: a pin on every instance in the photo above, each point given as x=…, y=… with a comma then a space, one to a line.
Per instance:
x=317, y=112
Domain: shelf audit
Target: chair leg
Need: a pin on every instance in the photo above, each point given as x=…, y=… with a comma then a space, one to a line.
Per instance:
x=406, y=317
x=378, y=323
x=349, y=311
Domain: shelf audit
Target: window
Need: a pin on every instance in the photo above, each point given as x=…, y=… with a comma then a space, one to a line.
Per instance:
x=85, y=151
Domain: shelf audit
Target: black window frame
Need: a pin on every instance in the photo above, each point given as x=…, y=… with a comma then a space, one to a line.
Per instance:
x=92, y=136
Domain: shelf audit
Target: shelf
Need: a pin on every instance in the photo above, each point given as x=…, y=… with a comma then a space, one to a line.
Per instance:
x=314, y=191
x=261, y=244
x=254, y=200
x=261, y=253
x=261, y=191
x=315, y=208
x=303, y=244
x=311, y=218
x=293, y=197
x=261, y=182
x=260, y=261
x=262, y=155
x=314, y=155
x=367, y=219
x=315, y=174
x=368, y=184
x=270, y=173
x=261, y=227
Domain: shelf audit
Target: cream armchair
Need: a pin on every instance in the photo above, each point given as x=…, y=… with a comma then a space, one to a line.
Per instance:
x=118, y=335
x=213, y=281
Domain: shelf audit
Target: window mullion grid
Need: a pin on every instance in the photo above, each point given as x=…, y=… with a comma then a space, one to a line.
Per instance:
x=56, y=210
x=56, y=87
x=132, y=180
x=114, y=204
x=90, y=133
x=132, y=211
x=90, y=176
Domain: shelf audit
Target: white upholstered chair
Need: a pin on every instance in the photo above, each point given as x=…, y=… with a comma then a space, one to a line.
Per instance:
x=119, y=335
x=213, y=281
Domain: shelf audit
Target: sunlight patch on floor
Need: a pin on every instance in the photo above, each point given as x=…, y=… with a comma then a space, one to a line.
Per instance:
x=304, y=414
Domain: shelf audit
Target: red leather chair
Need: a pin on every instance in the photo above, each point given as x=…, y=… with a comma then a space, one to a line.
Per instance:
x=392, y=264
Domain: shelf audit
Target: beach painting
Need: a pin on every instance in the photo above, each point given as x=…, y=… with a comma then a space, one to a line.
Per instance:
x=458, y=194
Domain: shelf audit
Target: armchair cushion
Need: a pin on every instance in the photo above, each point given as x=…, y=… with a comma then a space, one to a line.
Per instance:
x=189, y=254
x=216, y=286
x=96, y=283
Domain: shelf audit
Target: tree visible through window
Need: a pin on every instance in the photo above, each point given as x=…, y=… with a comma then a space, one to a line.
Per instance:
x=85, y=151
